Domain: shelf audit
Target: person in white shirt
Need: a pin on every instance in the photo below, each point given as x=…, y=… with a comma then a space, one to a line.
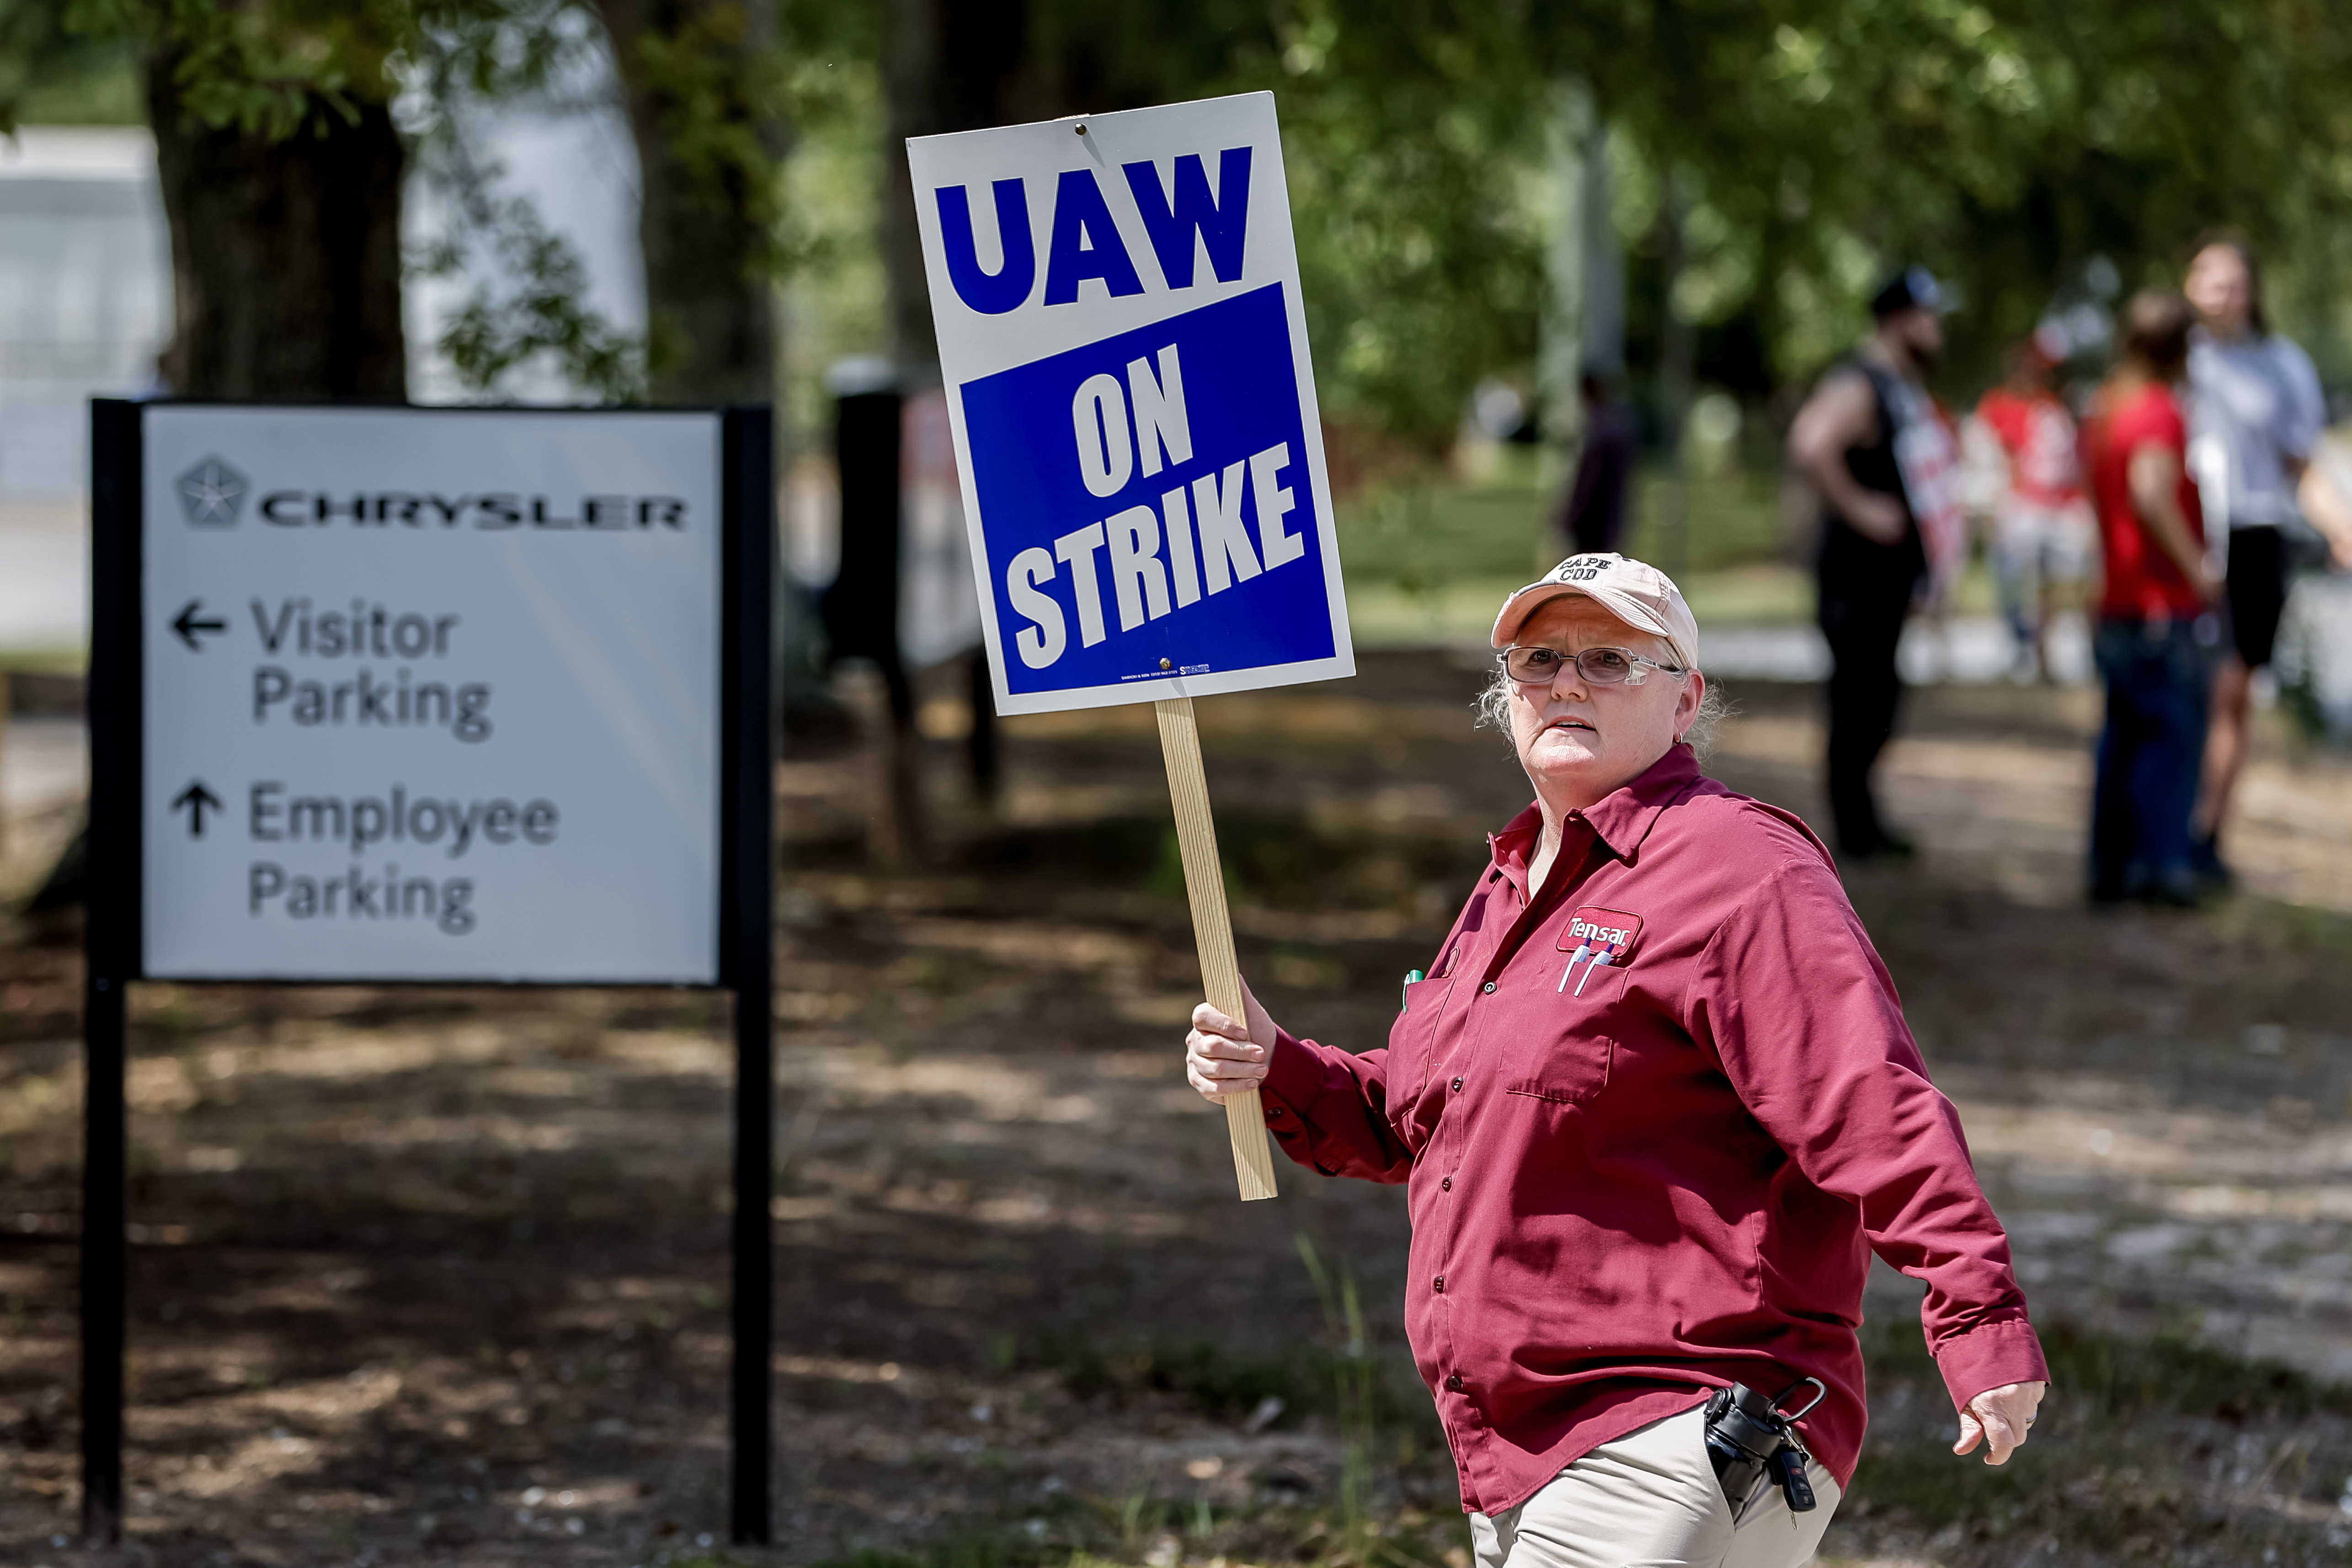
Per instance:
x=2256, y=417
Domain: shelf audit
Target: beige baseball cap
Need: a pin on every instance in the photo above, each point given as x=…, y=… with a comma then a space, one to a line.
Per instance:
x=1635, y=592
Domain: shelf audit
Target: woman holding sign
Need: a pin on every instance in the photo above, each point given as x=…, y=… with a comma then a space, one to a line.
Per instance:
x=1656, y=1105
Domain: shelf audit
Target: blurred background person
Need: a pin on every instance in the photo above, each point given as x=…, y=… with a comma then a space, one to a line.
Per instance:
x=2157, y=632
x=2043, y=535
x=1845, y=441
x=2258, y=415
x=1593, y=518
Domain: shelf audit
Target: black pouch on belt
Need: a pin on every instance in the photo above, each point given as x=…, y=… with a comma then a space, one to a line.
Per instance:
x=1749, y=1440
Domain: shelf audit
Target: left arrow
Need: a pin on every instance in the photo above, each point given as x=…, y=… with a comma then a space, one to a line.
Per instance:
x=188, y=626
x=198, y=801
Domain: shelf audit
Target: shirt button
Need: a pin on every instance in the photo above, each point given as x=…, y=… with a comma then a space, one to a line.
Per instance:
x=1273, y=1112
x=1453, y=1384
x=1446, y=1183
x=1441, y=1284
x=1490, y=988
x=1457, y=1086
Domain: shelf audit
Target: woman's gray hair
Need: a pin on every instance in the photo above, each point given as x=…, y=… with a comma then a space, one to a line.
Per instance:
x=1493, y=706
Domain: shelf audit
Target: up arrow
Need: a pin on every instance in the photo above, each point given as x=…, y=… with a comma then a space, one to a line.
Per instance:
x=188, y=626
x=198, y=800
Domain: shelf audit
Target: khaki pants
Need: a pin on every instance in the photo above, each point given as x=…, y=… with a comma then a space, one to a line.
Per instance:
x=1650, y=1500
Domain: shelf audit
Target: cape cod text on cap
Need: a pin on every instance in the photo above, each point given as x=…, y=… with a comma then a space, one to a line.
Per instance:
x=1635, y=592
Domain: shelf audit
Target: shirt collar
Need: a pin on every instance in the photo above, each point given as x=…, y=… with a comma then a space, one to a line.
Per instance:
x=1621, y=819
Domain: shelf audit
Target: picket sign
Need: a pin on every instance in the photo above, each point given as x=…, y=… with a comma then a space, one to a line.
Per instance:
x=1136, y=433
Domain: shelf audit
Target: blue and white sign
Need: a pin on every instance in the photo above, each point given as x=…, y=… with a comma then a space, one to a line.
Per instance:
x=1119, y=329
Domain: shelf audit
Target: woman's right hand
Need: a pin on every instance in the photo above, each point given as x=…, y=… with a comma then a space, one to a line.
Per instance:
x=1223, y=1055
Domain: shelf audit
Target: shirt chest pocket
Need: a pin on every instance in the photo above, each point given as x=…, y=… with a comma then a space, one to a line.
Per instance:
x=1567, y=1067
x=1414, y=1042
x=1583, y=988
x=1415, y=1030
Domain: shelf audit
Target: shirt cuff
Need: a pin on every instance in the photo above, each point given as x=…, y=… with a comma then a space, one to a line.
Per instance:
x=1294, y=1073
x=1991, y=1355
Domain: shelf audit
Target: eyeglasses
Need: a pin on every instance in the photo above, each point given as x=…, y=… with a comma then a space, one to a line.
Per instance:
x=1597, y=666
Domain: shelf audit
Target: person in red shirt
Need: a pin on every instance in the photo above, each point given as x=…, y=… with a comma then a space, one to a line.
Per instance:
x=2159, y=635
x=2043, y=535
x=1654, y=1105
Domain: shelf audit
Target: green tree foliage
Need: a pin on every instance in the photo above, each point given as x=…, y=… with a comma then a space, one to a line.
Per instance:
x=51, y=74
x=2005, y=144
x=1411, y=165
x=1817, y=142
x=542, y=313
x=266, y=70
x=707, y=90
x=274, y=70
x=1407, y=155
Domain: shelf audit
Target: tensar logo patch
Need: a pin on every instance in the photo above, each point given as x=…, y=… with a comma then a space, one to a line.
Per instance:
x=1595, y=937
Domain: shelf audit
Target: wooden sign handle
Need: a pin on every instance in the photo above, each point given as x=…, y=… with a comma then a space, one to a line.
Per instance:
x=1213, y=928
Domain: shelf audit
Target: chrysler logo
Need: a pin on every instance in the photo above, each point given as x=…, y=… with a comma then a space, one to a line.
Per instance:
x=211, y=493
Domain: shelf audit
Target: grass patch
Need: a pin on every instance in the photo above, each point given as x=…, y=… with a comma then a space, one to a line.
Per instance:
x=1228, y=1387
x=1129, y=1531
x=2129, y=1467
x=2106, y=1495
x=2117, y=1379
x=2110, y=1380
x=2287, y=958
x=1419, y=534
x=1428, y=559
x=973, y=1549
x=1138, y=1529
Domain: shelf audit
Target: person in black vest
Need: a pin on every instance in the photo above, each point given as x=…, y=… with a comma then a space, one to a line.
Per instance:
x=1844, y=441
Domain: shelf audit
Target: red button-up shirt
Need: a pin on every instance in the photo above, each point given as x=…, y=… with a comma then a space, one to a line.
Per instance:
x=1652, y=1125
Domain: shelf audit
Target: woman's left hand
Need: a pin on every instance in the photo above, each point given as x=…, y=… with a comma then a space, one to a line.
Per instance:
x=2001, y=1418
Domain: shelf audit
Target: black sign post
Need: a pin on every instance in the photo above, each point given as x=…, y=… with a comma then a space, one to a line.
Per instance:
x=114, y=940
x=748, y=949
x=110, y=948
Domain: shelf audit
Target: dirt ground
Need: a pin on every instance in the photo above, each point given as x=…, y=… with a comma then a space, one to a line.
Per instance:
x=437, y=1277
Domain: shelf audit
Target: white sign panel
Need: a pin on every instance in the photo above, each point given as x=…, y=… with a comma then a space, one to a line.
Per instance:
x=1136, y=431
x=431, y=695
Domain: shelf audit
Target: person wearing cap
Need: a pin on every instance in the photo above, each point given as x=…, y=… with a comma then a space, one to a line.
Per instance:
x=1654, y=1105
x=1868, y=440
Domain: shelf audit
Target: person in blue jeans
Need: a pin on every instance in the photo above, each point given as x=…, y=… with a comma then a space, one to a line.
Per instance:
x=2160, y=678
x=2157, y=632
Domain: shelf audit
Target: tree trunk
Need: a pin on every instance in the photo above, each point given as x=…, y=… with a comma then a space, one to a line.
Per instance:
x=285, y=278
x=693, y=71
x=285, y=255
x=948, y=65
x=951, y=65
x=1677, y=358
